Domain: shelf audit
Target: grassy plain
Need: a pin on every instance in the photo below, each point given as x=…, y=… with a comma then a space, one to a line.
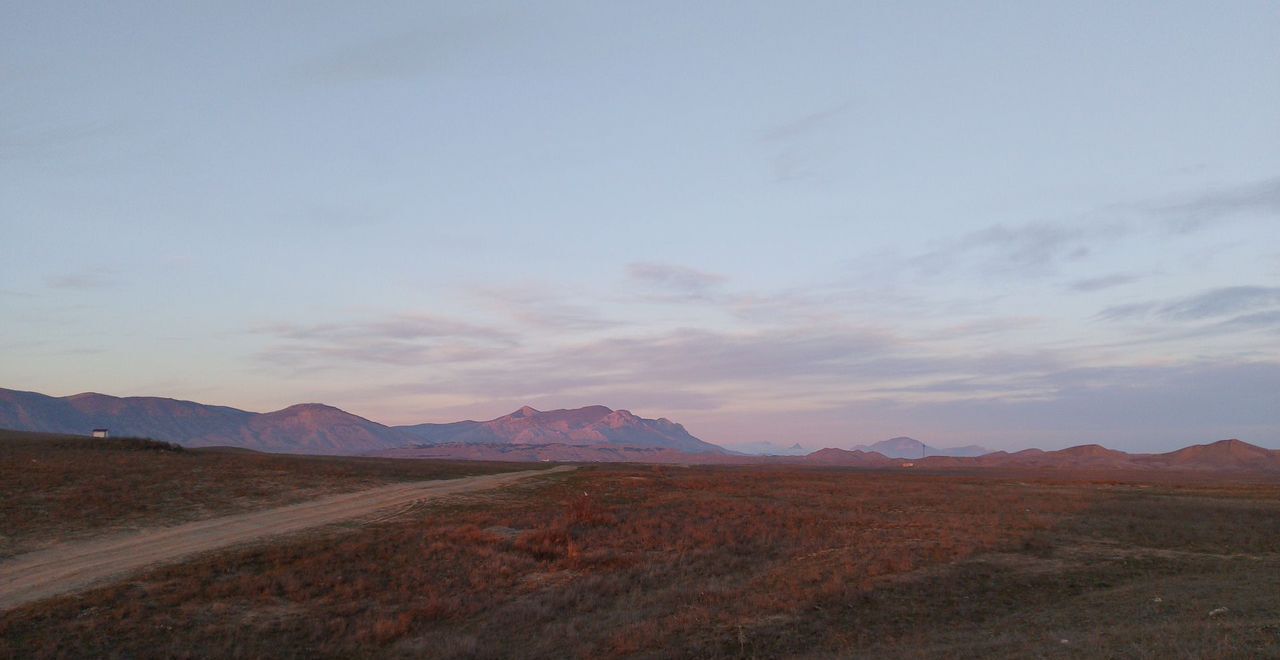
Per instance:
x=665, y=561
x=57, y=488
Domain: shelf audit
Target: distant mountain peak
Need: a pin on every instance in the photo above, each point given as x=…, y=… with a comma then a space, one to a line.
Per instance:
x=587, y=426
x=315, y=413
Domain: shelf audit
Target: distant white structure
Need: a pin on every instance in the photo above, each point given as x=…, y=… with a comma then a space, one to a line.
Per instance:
x=101, y=433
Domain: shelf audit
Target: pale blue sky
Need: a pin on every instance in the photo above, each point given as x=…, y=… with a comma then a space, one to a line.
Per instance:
x=1010, y=223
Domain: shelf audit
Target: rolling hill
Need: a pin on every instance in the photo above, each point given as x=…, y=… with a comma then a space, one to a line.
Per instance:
x=1224, y=455
x=904, y=447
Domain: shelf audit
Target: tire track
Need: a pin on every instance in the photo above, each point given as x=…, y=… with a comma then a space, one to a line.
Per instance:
x=73, y=566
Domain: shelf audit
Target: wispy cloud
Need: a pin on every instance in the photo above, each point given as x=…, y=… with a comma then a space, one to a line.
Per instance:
x=994, y=325
x=1213, y=303
x=345, y=216
x=410, y=53
x=1091, y=284
x=821, y=371
x=97, y=277
x=1258, y=320
x=762, y=366
x=1127, y=311
x=1138, y=407
x=703, y=356
x=402, y=55
x=806, y=125
x=1259, y=198
x=1029, y=247
x=674, y=280
x=1221, y=302
x=1044, y=248
x=41, y=140
x=1032, y=249
x=799, y=145
x=543, y=308
x=401, y=327
x=755, y=386
x=405, y=340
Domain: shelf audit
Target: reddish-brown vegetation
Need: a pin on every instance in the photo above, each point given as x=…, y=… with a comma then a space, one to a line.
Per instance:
x=659, y=561
x=53, y=488
x=633, y=561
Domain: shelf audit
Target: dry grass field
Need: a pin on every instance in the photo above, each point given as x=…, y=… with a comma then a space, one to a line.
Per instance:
x=645, y=561
x=56, y=488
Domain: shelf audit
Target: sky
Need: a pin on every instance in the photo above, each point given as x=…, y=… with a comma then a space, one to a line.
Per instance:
x=827, y=223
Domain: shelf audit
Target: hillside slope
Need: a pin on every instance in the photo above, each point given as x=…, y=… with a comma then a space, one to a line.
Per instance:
x=300, y=429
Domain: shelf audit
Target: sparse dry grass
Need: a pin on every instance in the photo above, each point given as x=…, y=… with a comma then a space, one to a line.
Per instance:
x=56, y=488
x=665, y=561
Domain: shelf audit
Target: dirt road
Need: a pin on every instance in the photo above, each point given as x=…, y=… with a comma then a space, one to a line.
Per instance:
x=72, y=566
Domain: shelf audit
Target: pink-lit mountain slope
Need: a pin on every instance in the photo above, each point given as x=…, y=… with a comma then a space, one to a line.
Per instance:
x=595, y=426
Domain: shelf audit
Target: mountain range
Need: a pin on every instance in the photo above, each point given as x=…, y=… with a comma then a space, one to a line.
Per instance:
x=314, y=428
x=593, y=433
x=309, y=428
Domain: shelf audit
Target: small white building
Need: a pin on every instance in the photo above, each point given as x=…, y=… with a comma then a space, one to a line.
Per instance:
x=101, y=433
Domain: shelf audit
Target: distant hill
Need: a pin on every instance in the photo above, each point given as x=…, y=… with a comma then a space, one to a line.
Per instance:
x=315, y=428
x=766, y=448
x=590, y=426
x=849, y=457
x=1224, y=455
x=904, y=447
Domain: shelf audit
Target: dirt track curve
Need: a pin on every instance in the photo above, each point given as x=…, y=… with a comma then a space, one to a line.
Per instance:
x=71, y=566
